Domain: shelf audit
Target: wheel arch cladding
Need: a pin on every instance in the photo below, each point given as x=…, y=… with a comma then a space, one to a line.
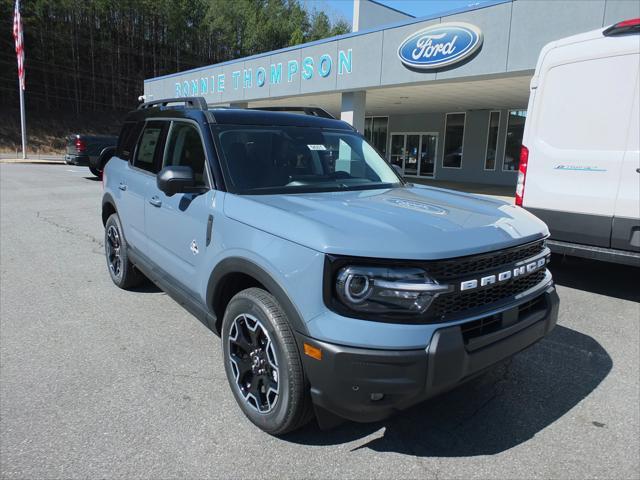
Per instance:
x=108, y=208
x=235, y=274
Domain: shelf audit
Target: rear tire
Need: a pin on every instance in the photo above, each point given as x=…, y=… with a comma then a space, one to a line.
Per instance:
x=262, y=363
x=95, y=171
x=121, y=270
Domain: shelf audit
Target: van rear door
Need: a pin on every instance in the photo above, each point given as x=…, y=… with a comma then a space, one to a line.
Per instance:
x=576, y=135
x=625, y=234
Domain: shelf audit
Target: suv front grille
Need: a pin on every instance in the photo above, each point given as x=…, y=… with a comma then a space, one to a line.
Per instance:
x=476, y=264
x=452, y=303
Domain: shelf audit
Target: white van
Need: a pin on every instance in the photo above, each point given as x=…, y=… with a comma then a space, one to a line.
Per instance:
x=580, y=160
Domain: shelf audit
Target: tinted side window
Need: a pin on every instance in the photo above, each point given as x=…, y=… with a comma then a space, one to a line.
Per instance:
x=184, y=147
x=147, y=147
x=127, y=139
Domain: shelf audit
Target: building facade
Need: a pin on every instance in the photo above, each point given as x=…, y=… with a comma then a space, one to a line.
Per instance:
x=442, y=97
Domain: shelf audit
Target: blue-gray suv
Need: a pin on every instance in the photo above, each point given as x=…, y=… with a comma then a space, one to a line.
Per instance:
x=338, y=289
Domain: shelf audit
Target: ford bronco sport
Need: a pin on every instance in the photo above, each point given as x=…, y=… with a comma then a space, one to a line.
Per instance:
x=338, y=289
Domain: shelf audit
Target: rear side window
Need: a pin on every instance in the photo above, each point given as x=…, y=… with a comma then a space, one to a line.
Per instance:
x=146, y=152
x=127, y=139
x=184, y=147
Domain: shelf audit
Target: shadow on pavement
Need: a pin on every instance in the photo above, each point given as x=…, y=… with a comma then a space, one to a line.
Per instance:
x=147, y=286
x=492, y=413
x=613, y=280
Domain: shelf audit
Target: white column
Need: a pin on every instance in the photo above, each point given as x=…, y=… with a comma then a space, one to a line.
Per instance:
x=353, y=108
x=355, y=25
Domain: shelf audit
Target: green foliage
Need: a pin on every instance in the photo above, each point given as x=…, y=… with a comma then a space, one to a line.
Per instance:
x=93, y=55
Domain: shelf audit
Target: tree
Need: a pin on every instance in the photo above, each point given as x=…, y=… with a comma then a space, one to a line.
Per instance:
x=93, y=55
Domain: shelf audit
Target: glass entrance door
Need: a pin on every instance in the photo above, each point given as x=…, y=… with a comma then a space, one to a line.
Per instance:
x=415, y=153
x=397, y=150
x=412, y=146
x=428, y=149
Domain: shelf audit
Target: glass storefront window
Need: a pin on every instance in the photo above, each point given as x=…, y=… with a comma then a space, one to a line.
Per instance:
x=515, y=129
x=453, y=137
x=375, y=131
x=492, y=141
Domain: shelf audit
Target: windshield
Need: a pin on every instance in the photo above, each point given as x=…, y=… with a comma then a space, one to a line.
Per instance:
x=266, y=160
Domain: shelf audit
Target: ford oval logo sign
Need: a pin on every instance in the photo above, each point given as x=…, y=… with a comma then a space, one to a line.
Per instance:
x=440, y=45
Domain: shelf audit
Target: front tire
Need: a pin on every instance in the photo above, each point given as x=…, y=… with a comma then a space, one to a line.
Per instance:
x=121, y=270
x=263, y=364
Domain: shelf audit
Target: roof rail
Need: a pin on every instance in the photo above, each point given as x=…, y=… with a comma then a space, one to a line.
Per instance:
x=197, y=103
x=312, y=111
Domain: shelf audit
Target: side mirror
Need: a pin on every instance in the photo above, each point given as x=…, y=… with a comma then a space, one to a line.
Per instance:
x=397, y=169
x=176, y=179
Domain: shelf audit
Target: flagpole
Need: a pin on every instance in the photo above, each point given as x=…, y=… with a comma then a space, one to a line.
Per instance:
x=23, y=122
x=18, y=36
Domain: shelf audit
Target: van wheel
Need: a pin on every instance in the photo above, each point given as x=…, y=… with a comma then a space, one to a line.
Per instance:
x=122, y=271
x=262, y=363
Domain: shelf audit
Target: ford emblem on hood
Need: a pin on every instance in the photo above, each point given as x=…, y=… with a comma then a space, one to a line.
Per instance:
x=440, y=45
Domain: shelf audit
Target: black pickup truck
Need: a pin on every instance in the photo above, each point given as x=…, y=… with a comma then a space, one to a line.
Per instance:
x=92, y=151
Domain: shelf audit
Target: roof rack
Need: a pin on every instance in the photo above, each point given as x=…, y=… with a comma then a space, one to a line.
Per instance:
x=311, y=111
x=197, y=103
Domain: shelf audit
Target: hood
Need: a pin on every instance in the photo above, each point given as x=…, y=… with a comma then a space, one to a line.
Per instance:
x=401, y=223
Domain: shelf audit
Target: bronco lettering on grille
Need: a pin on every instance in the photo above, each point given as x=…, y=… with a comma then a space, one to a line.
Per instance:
x=519, y=271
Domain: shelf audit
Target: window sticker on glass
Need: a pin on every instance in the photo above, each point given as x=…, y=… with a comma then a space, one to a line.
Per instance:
x=317, y=147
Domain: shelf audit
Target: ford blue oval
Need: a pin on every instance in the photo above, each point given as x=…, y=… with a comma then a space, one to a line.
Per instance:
x=440, y=45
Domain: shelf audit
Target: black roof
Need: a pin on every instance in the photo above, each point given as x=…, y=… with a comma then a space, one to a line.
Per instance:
x=239, y=116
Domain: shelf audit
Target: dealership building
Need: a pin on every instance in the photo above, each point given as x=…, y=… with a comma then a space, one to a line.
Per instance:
x=442, y=97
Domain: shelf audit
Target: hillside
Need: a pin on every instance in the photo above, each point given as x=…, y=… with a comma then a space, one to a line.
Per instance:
x=46, y=130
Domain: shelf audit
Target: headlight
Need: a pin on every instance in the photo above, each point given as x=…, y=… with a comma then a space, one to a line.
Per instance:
x=386, y=290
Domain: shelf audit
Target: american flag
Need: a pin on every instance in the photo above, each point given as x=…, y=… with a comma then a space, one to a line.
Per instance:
x=17, y=35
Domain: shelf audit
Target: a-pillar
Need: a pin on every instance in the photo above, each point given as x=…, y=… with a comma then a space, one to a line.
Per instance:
x=352, y=111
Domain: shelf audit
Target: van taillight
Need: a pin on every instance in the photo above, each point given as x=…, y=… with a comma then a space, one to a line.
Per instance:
x=622, y=28
x=80, y=145
x=522, y=174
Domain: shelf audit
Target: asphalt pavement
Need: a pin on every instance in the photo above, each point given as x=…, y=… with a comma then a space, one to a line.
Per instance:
x=96, y=382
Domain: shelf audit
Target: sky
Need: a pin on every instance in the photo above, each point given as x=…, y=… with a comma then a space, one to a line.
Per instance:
x=418, y=8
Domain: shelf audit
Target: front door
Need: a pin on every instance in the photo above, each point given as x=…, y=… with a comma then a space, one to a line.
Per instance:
x=177, y=226
x=415, y=153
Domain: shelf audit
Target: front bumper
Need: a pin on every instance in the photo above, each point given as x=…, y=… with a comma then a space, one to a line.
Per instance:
x=347, y=380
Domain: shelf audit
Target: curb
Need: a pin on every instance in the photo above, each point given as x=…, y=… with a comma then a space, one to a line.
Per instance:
x=32, y=161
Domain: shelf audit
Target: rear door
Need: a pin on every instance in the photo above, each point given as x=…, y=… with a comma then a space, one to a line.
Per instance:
x=177, y=227
x=625, y=234
x=140, y=175
x=577, y=139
